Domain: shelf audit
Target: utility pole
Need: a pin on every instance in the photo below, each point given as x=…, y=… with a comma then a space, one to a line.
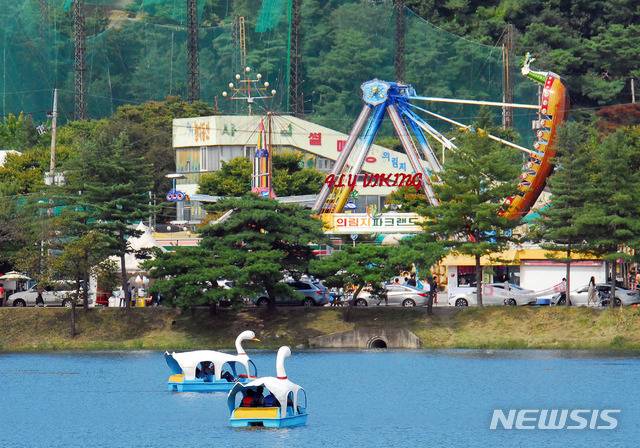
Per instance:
x=151, y=211
x=507, y=81
x=54, y=127
x=79, y=36
x=296, y=93
x=192, y=51
x=400, y=33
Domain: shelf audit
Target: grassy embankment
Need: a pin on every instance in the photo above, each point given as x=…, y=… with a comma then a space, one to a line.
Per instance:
x=38, y=329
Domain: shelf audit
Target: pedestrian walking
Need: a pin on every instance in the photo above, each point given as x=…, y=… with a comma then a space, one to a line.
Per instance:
x=122, y=296
x=39, y=298
x=563, y=292
x=592, y=293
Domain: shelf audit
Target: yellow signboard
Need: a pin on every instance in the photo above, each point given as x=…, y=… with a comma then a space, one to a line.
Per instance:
x=364, y=223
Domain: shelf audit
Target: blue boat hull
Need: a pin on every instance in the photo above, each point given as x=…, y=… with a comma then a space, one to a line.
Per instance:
x=201, y=386
x=286, y=422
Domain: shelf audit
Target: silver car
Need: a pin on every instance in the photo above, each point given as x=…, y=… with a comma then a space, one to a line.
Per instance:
x=57, y=294
x=579, y=296
x=493, y=294
x=397, y=295
x=313, y=293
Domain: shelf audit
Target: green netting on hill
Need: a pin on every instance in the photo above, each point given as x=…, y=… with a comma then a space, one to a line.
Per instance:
x=163, y=10
x=437, y=63
x=270, y=14
x=136, y=51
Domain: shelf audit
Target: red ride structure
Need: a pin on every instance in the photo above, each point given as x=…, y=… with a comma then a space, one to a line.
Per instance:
x=553, y=111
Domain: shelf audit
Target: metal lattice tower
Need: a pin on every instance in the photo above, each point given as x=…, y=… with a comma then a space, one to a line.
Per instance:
x=400, y=34
x=507, y=81
x=295, y=89
x=242, y=38
x=44, y=16
x=80, y=40
x=192, y=51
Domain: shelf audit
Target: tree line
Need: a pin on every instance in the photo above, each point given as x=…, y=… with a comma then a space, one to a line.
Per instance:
x=70, y=230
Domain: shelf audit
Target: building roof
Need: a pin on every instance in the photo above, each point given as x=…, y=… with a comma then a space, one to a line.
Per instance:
x=512, y=257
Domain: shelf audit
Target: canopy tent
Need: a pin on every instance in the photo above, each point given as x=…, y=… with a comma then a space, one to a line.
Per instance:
x=145, y=241
x=14, y=275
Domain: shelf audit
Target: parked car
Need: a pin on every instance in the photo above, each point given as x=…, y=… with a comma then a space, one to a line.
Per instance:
x=397, y=295
x=313, y=292
x=58, y=293
x=579, y=296
x=494, y=294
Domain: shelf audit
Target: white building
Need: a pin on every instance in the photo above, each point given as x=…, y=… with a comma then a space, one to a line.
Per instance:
x=202, y=144
x=530, y=267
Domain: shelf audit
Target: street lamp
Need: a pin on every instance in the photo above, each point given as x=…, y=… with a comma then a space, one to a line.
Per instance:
x=249, y=89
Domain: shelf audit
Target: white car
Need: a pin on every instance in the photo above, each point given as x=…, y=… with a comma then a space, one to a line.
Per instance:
x=493, y=294
x=579, y=296
x=59, y=293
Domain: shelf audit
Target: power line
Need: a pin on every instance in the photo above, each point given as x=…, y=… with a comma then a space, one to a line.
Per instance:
x=400, y=39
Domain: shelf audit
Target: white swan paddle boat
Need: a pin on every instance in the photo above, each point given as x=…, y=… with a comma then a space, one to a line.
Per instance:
x=209, y=370
x=284, y=406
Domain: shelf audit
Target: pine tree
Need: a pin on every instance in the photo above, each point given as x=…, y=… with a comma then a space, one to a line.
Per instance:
x=254, y=247
x=113, y=184
x=263, y=239
x=188, y=277
x=610, y=219
x=568, y=187
x=363, y=265
x=477, y=176
x=368, y=265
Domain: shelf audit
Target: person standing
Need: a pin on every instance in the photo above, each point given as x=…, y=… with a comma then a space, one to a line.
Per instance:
x=592, y=293
x=434, y=289
x=2, y=294
x=412, y=281
x=507, y=290
x=430, y=296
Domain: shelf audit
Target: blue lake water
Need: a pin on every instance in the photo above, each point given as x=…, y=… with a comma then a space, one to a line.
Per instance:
x=356, y=399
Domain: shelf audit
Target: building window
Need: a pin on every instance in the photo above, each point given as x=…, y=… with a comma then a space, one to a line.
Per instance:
x=466, y=276
x=227, y=153
x=324, y=164
x=507, y=273
x=249, y=152
x=204, y=162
